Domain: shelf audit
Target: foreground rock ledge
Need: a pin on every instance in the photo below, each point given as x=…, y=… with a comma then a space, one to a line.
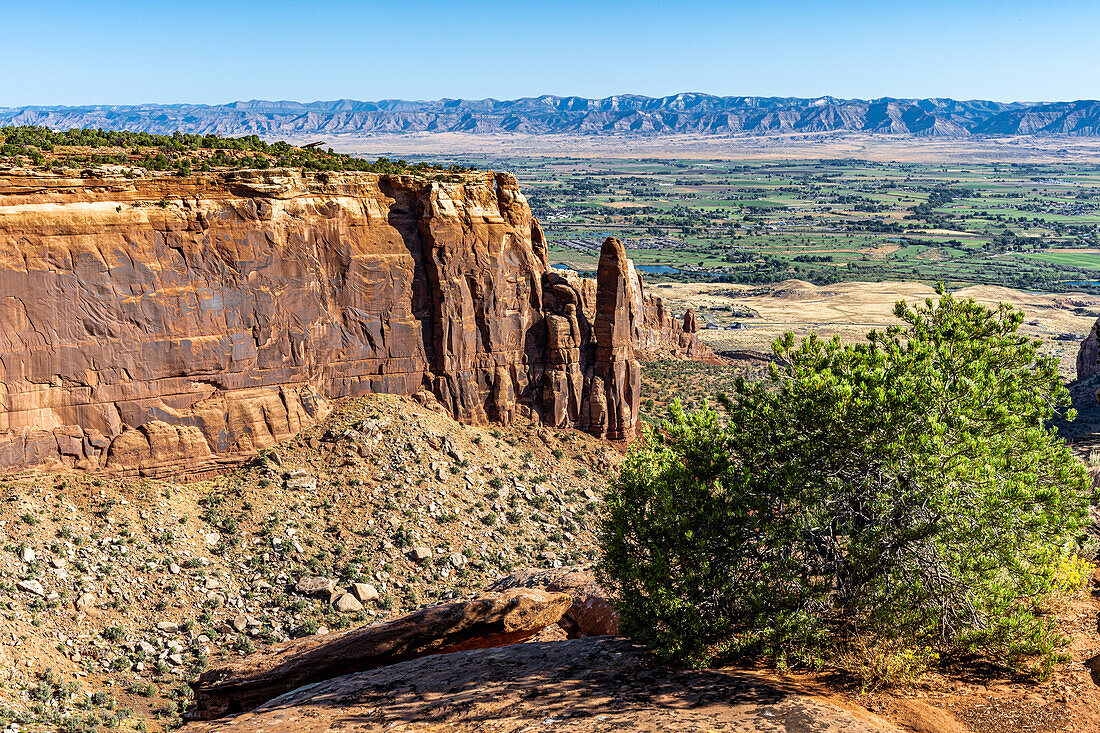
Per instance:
x=591, y=684
x=495, y=620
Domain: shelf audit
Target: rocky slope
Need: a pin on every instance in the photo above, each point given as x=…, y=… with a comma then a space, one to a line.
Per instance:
x=151, y=320
x=121, y=589
x=629, y=113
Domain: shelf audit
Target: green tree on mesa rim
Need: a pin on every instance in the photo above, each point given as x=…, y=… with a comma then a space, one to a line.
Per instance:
x=905, y=492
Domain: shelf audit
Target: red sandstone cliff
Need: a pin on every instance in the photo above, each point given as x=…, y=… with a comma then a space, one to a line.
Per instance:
x=1088, y=355
x=654, y=331
x=148, y=321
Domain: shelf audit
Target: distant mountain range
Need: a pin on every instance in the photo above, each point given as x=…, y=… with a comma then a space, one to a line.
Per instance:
x=680, y=113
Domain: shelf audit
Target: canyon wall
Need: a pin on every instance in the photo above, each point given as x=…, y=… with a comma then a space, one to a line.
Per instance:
x=152, y=322
x=1088, y=354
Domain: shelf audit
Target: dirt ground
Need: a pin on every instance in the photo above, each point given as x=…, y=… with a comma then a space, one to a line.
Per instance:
x=850, y=310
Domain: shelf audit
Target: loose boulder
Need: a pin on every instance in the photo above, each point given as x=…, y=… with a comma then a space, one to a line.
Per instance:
x=347, y=603
x=315, y=586
x=591, y=613
x=364, y=592
x=494, y=620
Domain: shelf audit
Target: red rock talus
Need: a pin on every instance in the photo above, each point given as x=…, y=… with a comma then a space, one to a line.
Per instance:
x=149, y=321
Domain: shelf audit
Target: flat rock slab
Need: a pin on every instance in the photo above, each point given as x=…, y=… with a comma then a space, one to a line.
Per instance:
x=493, y=620
x=579, y=685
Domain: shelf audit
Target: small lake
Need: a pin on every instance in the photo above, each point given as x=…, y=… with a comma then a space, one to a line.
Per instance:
x=657, y=269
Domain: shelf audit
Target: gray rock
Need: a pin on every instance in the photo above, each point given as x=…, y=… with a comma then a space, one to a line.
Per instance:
x=31, y=586
x=175, y=659
x=300, y=480
x=420, y=554
x=347, y=603
x=86, y=602
x=27, y=555
x=457, y=560
x=364, y=592
x=315, y=585
x=168, y=627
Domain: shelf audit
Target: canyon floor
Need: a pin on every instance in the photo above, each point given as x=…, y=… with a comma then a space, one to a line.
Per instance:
x=850, y=310
x=823, y=145
x=172, y=578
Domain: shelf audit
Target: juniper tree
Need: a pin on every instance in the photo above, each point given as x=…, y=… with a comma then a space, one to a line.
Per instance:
x=907, y=489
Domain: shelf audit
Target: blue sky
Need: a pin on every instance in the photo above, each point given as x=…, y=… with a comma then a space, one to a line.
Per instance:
x=210, y=52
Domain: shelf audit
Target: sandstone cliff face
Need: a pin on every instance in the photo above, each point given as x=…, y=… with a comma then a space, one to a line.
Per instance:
x=152, y=321
x=654, y=330
x=659, y=333
x=1088, y=355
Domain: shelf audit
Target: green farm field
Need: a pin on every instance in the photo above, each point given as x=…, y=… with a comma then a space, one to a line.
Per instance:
x=1028, y=226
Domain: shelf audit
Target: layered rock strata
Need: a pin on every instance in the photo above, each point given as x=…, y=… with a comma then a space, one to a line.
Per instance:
x=152, y=322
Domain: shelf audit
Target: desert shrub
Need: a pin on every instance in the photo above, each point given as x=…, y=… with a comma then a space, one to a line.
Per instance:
x=907, y=489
